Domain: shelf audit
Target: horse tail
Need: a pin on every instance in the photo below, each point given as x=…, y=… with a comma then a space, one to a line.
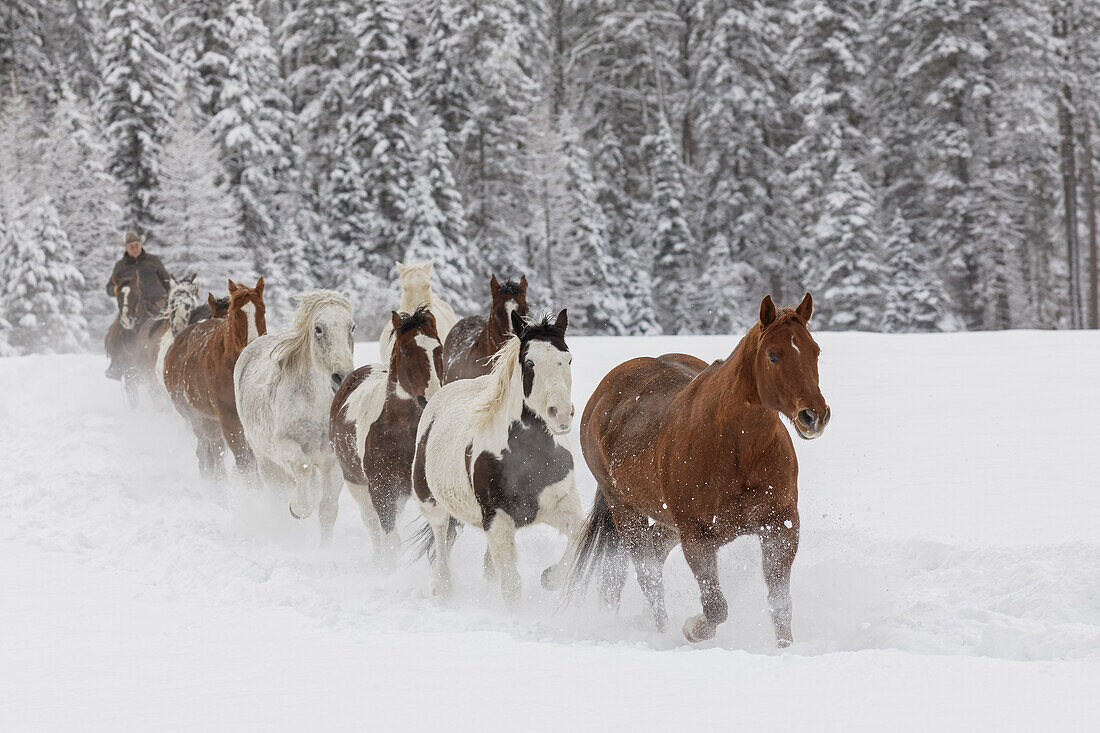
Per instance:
x=598, y=545
x=422, y=543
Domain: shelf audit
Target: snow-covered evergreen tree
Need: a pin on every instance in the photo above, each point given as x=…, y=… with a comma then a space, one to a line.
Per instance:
x=138, y=92
x=376, y=137
x=25, y=66
x=674, y=269
x=201, y=228
x=913, y=293
x=40, y=294
x=253, y=127
x=435, y=221
x=202, y=47
x=88, y=199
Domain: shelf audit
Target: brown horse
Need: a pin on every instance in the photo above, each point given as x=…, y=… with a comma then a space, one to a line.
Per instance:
x=372, y=424
x=123, y=340
x=700, y=450
x=474, y=339
x=198, y=373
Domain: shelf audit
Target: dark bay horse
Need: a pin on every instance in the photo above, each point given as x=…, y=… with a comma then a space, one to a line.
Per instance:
x=123, y=341
x=198, y=373
x=700, y=450
x=474, y=339
x=372, y=424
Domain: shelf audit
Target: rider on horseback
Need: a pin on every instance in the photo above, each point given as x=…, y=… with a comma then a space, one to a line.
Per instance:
x=154, y=280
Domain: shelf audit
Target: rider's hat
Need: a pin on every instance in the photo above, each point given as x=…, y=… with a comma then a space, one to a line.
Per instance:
x=132, y=236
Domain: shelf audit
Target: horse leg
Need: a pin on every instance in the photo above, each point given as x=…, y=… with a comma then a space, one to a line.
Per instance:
x=502, y=548
x=701, y=553
x=234, y=435
x=439, y=520
x=361, y=494
x=331, y=483
x=637, y=538
x=211, y=449
x=778, y=545
x=130, y=385
x=560, y=507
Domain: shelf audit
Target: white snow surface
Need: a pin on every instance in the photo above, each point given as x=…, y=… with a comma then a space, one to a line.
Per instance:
x=948, y=576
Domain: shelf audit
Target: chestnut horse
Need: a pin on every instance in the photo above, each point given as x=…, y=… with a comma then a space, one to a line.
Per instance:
x=474, y=339
x=123, y=340
x=198, y=372
x=372, y=424
x=696, y=454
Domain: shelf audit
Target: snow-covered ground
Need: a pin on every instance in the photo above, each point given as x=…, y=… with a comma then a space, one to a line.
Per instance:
x=948, y=577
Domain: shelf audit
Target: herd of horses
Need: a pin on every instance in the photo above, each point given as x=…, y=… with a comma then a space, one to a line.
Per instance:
x=470, y=418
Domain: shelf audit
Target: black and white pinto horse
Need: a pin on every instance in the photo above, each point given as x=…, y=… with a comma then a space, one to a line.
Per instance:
x=492, y=452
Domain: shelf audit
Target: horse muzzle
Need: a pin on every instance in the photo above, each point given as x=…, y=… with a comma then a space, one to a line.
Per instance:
x=810, y=424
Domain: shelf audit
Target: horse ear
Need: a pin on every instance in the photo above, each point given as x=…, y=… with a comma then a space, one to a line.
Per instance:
x=562, y=321
x=523, y=282
x=400, y=267
x=192, y=276
x=805, y=309
x=767, y=311
x=232, y=285
x=212, y=302
x=395, y=320
x=517, y=323
x=494, y=286
x=431, y=263
x=260, y=285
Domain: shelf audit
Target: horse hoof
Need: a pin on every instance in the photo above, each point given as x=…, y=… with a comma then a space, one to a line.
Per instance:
x=551, y=578
x=697, y=629
x=295, y=515
x=782, y=643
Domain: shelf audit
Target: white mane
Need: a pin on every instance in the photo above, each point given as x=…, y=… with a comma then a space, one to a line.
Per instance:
x=291, y=345
x=503, y=391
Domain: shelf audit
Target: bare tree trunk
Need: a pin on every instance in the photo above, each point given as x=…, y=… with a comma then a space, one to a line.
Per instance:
x=1090, y=211
x=687, y=134
x=1069, y=174
x=557, y=30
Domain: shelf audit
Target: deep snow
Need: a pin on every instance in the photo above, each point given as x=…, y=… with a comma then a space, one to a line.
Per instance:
x=948, y=576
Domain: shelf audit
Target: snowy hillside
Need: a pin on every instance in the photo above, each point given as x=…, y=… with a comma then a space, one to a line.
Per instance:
x=948, y=577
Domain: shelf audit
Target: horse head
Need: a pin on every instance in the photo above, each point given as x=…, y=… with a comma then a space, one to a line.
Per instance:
x=132, y=308
x=416, y=276
x=323, y=323
x=182, y=300
x=219, y=307
x=246, y=309
x=546, y=365
x=509, y=298
x=786, y=366
x=417, y=360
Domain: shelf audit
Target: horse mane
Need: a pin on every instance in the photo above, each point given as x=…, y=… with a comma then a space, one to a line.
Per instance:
x=510, y=287
x=502, y=381
x=505, y=366
x=292, y=344
x=419, y=318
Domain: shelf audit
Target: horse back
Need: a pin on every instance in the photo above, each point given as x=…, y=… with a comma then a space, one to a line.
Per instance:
x=621, y=423
x=341, y=429
x=464, y=350
x=185, y=374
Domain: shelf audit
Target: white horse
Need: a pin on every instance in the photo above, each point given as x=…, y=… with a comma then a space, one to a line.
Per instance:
x=492, y=452
x=284, y=385
x=416, y=290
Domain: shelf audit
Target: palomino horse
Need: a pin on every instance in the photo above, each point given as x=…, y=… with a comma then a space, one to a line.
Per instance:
x=123, y=340
x=492, y=452
x=416, y=290
x=372, y=425
x=198, y=372
x=284, y=384
x=700, y=452
x=466, y=350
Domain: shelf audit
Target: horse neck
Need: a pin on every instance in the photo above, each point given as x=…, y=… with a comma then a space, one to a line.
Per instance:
x=733, y=383
x=235, y=330
x=497, y=330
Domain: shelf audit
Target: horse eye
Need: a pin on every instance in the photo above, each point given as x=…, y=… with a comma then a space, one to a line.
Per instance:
x=772, y=357
x=530, y=364
x=317, y=329
x=353, y=328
